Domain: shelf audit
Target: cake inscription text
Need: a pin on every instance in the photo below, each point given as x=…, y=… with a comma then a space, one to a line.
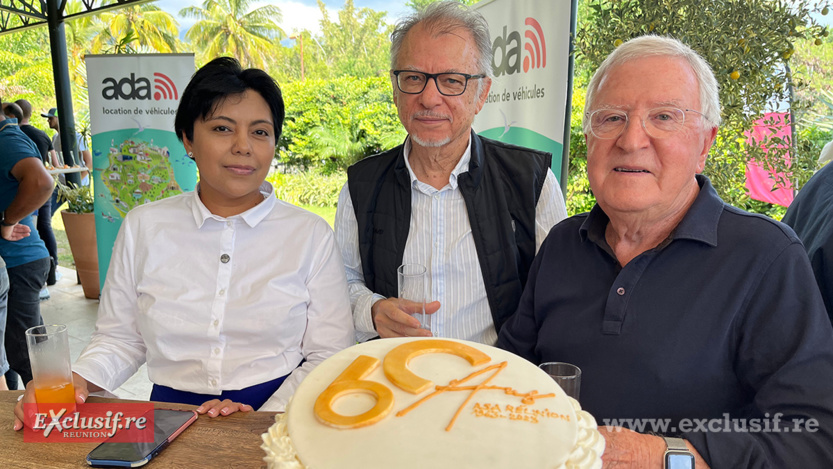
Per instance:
x=351, y=380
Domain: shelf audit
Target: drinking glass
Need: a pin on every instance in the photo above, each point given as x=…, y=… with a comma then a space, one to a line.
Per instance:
x=49, y=356
x=566, y=375
x=412, y=286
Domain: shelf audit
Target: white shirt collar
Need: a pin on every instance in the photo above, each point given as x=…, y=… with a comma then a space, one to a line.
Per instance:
x=251, y=217
x=462, y=165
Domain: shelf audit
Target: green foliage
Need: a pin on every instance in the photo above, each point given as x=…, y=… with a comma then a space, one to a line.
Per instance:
x=231, y=27
x=26, y=71
x=822, y=115
x=420, y=4
x=358, y=44
x=748, y=43
x=359, y=112
x=134, y=29
x=579, y=198
x=79, y=198
x=308, y=188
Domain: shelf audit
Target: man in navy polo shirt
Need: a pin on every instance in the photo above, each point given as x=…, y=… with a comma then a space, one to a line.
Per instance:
x=688, y=317
x=24, y=187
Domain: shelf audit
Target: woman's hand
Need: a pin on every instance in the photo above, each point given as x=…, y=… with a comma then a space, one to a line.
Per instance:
x=81, y=393
x=216, y=407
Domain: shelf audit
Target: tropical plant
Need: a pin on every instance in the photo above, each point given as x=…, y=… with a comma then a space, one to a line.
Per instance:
x=823, y=119
x=26, y=70
x=229, y=27
x=420, y=4
x=749, y=44
x=134, y=29
x=79, y=198
x=308, y=188
x=358, y=44
x=355, y=113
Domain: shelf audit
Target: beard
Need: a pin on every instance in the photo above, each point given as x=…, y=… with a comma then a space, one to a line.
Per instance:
x=427, y=142
x=436, y=143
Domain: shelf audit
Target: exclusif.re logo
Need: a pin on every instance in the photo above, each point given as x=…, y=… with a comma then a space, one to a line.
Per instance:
x=512, y=53
x=133, y=87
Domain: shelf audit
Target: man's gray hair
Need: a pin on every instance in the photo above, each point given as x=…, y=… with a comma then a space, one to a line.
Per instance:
x=443, y=18
x=652, y=46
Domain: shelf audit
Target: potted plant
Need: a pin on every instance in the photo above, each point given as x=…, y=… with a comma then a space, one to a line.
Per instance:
x=79, y=222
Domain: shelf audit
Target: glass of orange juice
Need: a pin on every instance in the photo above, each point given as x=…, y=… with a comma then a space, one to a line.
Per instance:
x=49, y=356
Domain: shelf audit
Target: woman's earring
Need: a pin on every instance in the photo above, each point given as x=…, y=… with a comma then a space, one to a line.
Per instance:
x=191, y=155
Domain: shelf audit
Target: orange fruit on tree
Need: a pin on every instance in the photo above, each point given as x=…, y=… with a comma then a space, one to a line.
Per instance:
x=734, y=75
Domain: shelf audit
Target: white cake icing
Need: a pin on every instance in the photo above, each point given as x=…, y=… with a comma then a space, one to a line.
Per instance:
x=493, y=430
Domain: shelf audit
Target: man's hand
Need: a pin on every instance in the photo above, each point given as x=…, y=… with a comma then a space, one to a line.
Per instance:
x=628, y=449
x=15, y=232
x=392, y=317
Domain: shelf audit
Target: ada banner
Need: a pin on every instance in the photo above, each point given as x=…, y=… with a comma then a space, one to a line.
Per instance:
x=137, y=158
x=528, y=103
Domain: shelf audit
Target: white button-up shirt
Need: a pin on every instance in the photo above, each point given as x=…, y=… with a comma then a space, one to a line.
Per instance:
x=215, y=303
x=440, y=238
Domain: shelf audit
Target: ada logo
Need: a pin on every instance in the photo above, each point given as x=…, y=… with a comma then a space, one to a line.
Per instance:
x=510, y=52
x=139, y=88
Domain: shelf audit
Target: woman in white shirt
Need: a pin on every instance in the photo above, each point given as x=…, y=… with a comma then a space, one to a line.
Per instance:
x=230, y=295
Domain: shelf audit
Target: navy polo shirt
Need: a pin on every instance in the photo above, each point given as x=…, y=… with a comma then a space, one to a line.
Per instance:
x=724, y=317
x=811, y=216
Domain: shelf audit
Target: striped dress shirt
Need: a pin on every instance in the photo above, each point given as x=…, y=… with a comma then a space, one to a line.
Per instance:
x=440, y=238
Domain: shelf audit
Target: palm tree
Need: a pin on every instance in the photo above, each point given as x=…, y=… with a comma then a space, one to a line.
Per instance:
x=133, y=29
x=227, y=27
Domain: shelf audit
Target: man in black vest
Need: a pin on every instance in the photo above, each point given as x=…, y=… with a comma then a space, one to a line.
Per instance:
x=473, y=211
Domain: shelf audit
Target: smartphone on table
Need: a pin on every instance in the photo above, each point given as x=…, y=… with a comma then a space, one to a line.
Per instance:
x=167, y=425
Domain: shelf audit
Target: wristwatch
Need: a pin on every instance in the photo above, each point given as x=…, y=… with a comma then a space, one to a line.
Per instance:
x=677, y=455
x=3, y=219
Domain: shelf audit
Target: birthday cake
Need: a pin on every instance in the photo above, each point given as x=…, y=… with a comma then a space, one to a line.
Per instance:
x=431, y=403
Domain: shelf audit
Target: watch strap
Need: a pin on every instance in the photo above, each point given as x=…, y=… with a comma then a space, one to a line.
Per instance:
x=675, y=444
x=3, y=219
x=676, y=449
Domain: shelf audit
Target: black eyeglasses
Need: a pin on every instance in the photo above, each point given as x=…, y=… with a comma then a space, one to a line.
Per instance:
x=448, y=84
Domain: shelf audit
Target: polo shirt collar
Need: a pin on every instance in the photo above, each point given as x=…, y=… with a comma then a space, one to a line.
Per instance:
x=699, y=223
x=251, y=217
x=462, y=165
x=8, y=123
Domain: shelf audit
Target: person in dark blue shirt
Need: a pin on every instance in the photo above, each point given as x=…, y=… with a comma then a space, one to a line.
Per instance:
x=688, y=317
x=24, y=186
x=811, y=216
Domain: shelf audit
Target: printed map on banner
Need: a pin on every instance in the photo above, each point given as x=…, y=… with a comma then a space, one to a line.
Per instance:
x=139, y=172
x=137, y=158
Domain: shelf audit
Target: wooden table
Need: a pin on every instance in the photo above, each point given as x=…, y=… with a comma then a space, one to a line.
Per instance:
x=221, y=442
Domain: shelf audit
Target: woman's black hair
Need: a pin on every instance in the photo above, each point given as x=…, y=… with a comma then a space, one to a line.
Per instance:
x=216, y=81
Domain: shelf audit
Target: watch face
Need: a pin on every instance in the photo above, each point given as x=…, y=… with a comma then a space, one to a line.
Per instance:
x=679, y=460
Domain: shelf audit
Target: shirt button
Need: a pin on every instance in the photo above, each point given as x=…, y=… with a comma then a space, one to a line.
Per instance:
x=216, y=350
x=216, y=322
x=213, y=382
x=225, y=258
x=229, y=223
x=222, y=292
x=620, y=291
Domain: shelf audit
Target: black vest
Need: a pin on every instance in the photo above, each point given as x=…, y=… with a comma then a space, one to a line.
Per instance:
x=501, y=190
